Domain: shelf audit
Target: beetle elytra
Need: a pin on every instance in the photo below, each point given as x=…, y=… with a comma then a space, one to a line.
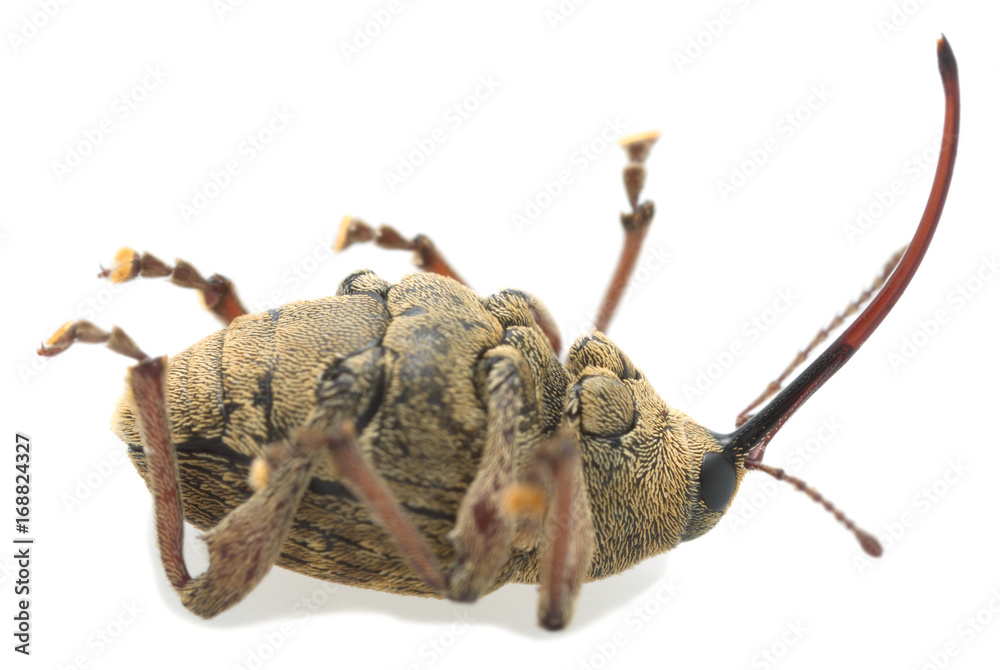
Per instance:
x=419, y=439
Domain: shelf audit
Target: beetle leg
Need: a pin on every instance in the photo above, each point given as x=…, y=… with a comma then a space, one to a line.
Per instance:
x=824, y=333
x=217, y=292
x=636, y=223
x=425, y=254
x=507, y=306
x=84, y=331
x=484, y=529
x=364, y=482
x=247, y=541
x=567, y=542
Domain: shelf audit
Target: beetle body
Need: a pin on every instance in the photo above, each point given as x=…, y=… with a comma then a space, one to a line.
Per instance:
x=408, y=363
x=418, y=439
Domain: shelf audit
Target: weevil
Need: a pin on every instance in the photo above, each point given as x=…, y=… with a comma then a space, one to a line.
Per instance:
x=419, y=439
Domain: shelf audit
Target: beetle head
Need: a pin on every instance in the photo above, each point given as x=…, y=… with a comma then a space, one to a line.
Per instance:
x=654, y=476
x=657, y=476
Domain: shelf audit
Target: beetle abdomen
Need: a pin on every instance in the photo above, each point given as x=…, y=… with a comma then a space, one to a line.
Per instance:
x=248, y=385
x=252, y=383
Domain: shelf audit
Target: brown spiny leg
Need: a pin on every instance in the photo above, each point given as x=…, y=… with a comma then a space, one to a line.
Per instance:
x=217, y=292
x=85, y=331
x=146, y=380
x=247, y=541
x=636, y=223
x=567, y=543
x=484, y=529
x=823, y=333
x=425, y=254
x=540, y=313
x=364, y=482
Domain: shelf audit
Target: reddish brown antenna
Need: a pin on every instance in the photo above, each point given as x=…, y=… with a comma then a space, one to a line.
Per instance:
x=749, y=440
x=867, y=540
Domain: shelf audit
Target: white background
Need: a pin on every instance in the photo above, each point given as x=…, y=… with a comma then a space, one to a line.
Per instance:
x=788, y=580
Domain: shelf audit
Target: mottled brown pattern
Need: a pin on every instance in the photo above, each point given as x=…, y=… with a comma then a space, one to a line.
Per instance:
x=421, y=367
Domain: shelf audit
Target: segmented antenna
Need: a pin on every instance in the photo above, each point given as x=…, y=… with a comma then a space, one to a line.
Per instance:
x=867, y=540
x=750, y=439
x=821, y=336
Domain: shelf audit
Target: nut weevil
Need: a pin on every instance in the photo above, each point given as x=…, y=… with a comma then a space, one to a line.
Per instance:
x=418, y=439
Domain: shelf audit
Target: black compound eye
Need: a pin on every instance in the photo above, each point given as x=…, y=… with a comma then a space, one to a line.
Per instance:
x=718, y=481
